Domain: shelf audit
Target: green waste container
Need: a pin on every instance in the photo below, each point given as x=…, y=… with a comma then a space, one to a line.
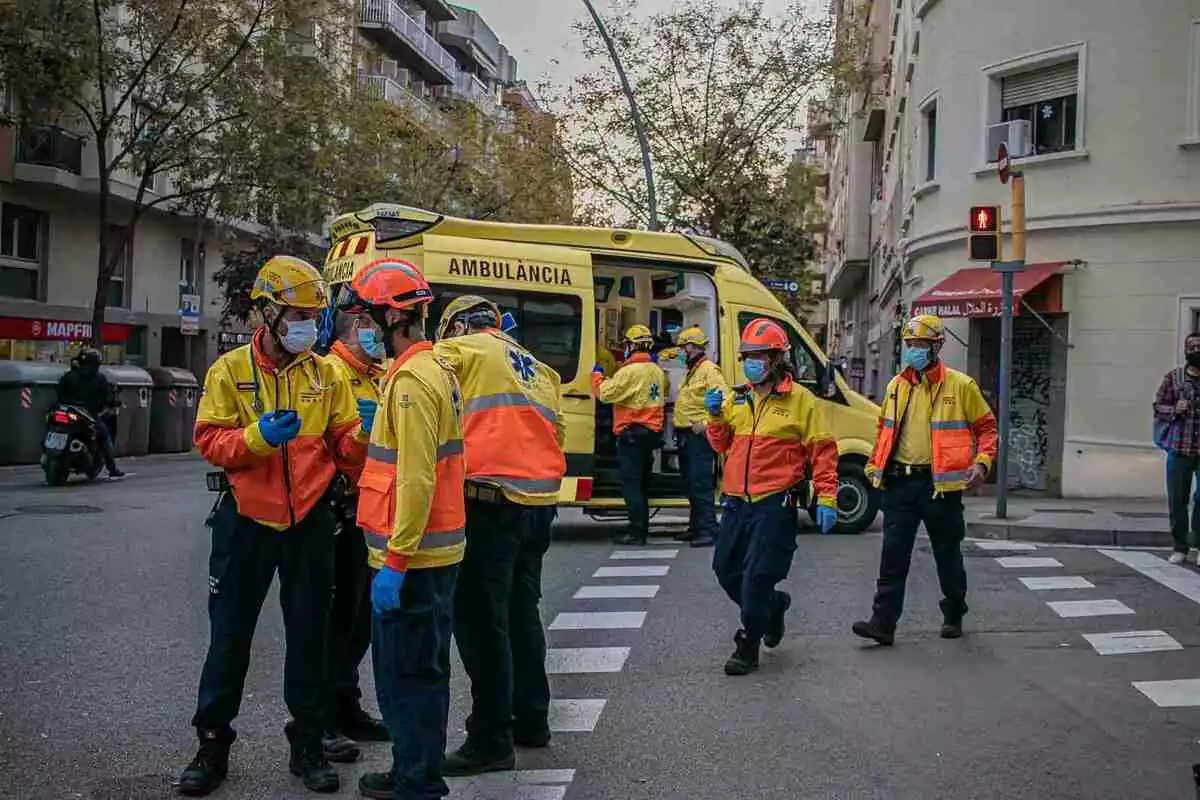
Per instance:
x=134, y=387
x=27, y=391
x=173, y=409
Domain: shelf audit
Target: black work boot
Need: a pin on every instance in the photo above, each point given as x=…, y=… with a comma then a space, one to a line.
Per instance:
x=360, y=726
x=466, y=761
x=702, y=541
x=952, y=626
x=630, y=540
x=745, y=656
x=211, y=764
x=685, y=536
x=339, y=748
x=532, y=736
x=775, y=627
x=875, y=630
x=377, y=785
x=309, y=763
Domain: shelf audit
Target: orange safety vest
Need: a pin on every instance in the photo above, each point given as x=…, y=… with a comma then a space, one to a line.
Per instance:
x=638, y=393
x=770, y=442
x=512, y=422
x=962, y=430
x=410, y=495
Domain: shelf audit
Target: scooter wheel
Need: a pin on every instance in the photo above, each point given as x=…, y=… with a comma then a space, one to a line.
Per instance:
x=56, y=472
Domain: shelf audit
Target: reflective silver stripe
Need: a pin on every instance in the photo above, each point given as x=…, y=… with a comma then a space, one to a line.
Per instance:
x=949, y=425
x=951, y=477
x=376, y=540
x=451, y=448
x=522, y=485
x=381, y=453
x=432, y=541
x=507, y=399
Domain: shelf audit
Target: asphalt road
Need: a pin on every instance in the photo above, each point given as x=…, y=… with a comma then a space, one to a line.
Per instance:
x=103, y=628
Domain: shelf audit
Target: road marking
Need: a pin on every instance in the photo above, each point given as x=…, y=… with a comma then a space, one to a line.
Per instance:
x=597, y=620
x=1057, y=582
x=1027, y=562
x=540, y=793
x=575, y=716
x=1089, y=608
x=1114, y=644
x=628, y=592
x=1177, y=579
x=1016, y=546
x=1171, y=694
x=578, y=660
x=526, y=784
x=652, y=571
x=634, y=555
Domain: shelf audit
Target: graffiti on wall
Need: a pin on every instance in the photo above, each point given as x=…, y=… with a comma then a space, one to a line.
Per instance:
x=1032, y=388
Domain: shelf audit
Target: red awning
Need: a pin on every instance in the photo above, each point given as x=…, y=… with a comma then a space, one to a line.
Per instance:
x=975, y=291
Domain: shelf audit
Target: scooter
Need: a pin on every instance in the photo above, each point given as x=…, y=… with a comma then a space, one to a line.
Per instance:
x=71, y=445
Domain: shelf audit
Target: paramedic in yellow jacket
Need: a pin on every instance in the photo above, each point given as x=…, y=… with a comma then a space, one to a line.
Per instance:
x=936, y=438
x=411, y=508
x=280, y=422
x=513, y=431
x=356, y=355
x=696, y=458
x=638, y=394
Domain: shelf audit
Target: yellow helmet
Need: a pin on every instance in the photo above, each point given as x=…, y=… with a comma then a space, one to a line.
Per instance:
x=289, y=281
x=461, y=305
x=692, y=335
x=639, y=334
x=925, y=327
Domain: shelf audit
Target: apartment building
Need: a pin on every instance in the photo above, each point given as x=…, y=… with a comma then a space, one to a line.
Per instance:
x=415, y=54
x=1108, y=94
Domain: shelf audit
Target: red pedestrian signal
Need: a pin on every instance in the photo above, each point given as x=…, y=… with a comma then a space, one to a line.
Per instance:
x=983, y=233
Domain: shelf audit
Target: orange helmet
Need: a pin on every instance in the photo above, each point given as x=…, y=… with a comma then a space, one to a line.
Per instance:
x=387, y=283
x=762, y=335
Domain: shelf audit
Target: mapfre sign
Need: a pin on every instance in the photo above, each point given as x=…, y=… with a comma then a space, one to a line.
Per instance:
x=59, y=330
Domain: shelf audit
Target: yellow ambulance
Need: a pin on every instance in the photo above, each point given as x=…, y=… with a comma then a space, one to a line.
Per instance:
x=573, y=291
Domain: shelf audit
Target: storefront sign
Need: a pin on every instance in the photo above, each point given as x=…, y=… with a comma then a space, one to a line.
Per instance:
x=951, y=309
x=57, y=330
x=189, y=314
x=228, y=340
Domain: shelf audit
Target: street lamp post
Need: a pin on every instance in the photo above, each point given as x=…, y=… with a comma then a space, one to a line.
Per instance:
x=638, y=127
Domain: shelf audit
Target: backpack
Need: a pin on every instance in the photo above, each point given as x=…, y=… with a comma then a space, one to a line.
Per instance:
x=1162, y=428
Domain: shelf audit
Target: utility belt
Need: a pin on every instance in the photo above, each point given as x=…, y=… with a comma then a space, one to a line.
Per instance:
x=485, y=493
x=896, y=469
x=339, y=495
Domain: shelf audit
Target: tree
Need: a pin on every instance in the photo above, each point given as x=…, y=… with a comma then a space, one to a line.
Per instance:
x=170, y=95
x=241, y=261
x=721, y=90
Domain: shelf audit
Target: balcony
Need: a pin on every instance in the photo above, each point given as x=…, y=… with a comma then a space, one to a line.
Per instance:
x=393, y=28
x=51, y=147
x=472, y=37
x=474, y=91
x=382, y=87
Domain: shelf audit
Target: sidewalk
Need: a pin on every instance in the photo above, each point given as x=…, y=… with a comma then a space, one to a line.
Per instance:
x=1096, y=521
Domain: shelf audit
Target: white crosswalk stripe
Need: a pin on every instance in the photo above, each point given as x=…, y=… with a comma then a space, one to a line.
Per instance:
x=1089, y=608
x=646, y=571
x=644, y=555
x=582, y=660
x=1011, y=546
x=620, y=592
x=1123, y=642
x=597, y=620
x=1171, y=694
x=575, y=716
x=1057, y=582
x=1028, y=562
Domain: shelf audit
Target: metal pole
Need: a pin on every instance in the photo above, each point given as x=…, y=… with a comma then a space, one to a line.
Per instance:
x=1017, y=182
x=638, y=127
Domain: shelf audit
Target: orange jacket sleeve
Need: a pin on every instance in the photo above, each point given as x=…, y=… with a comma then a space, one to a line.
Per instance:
x=983, y=425
x=219, y=434
x=718, y=431
x=344, y=436
x=822, y=453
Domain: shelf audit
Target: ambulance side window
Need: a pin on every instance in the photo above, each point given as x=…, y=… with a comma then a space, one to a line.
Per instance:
x=808, y=370
x=549, y=325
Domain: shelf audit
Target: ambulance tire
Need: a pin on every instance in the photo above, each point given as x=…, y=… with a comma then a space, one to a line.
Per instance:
x=858, y=500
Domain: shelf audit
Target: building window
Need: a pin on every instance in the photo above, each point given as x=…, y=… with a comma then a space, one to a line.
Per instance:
x=1047, y=90
x=929, y=133
x=118, y=284
x=1193, y=97
x=21, y=232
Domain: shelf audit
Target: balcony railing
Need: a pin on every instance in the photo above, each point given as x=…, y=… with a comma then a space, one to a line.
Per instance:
x=51, y=147
x=387, y=14
x=381, y=87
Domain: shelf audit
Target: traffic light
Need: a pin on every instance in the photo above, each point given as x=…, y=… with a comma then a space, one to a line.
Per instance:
x=983, y=234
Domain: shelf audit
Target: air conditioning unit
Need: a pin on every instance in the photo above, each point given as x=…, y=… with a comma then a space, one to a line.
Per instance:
x=1016, y=135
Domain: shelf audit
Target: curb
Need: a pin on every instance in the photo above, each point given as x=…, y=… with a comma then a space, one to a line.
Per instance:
x=1096, y=537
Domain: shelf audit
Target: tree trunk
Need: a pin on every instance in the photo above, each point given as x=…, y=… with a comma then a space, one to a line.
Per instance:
x=103, y=268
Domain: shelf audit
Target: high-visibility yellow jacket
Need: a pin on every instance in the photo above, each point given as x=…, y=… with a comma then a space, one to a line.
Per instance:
x=513, y=426
x=689, y=403
x=277, y=486
x=963, y=430
x=771, y=440
x=638, y=393
x=363, y=377
x=410, y=495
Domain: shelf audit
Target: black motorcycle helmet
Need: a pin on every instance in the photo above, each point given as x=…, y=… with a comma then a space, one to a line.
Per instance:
x=87, y=360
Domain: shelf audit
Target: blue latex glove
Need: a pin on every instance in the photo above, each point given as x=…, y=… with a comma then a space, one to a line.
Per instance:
x=279, y=427
x=385, y=590
x=714, y=399
x=366, y=413
x=597, y=369
x=826, y=518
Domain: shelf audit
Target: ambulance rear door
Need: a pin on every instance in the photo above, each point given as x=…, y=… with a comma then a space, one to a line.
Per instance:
x=549, y=292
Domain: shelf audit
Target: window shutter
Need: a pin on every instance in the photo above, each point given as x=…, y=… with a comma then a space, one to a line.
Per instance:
x=1024, y=88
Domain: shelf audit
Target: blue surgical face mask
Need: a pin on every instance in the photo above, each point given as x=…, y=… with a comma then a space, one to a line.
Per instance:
x=299, y=336
x=756, y=369
x=916, y=357
x=368, y=340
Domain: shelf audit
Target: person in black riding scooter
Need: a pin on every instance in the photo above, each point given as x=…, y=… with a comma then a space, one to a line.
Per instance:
x=86, y=386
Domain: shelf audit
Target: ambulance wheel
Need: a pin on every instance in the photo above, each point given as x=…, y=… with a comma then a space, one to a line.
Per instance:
x=858, y=500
